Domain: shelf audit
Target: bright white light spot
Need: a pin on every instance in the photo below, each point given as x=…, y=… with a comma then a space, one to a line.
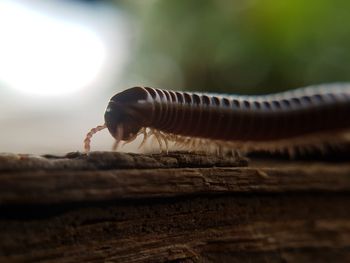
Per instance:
x=44, y=55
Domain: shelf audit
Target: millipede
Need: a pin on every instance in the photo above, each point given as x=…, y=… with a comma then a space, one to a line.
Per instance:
x=296, y=120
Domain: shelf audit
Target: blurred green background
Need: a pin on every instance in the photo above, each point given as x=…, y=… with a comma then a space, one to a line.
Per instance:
x=244, y=46
x=61, y=61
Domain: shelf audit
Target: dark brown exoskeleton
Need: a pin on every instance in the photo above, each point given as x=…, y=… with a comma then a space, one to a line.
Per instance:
x=298, y=118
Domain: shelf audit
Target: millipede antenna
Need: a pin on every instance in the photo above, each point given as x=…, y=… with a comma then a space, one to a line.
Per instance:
x=89, y=135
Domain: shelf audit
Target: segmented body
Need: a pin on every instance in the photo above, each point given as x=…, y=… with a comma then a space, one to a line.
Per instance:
x=303, y=117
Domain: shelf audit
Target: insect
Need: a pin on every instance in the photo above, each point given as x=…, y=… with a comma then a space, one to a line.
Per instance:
x=290, y=121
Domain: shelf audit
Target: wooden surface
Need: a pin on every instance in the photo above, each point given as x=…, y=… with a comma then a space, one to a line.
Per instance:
x=117, y=207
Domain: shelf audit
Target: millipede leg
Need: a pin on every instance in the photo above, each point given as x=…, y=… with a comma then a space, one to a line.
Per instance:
x=145, y=136
x=165, y=139
x=119, y=136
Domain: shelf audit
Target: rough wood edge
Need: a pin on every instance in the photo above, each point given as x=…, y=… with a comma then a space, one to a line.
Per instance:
x=40, y=187
x=115, y=160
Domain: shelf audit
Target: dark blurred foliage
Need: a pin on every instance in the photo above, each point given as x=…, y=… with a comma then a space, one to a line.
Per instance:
x=246, y=46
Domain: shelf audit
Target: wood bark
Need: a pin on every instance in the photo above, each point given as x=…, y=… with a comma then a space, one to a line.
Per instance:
x=177, y=207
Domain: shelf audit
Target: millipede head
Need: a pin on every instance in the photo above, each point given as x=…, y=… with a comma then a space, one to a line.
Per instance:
x=124, y=113
x=124, y=116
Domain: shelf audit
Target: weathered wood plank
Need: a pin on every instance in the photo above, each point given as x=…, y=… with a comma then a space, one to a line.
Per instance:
x=275, y=228
x=114, y=160
x=79, y=186
x=113, y=207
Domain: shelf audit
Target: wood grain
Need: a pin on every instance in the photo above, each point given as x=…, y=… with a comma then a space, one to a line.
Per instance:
x=112, y=207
